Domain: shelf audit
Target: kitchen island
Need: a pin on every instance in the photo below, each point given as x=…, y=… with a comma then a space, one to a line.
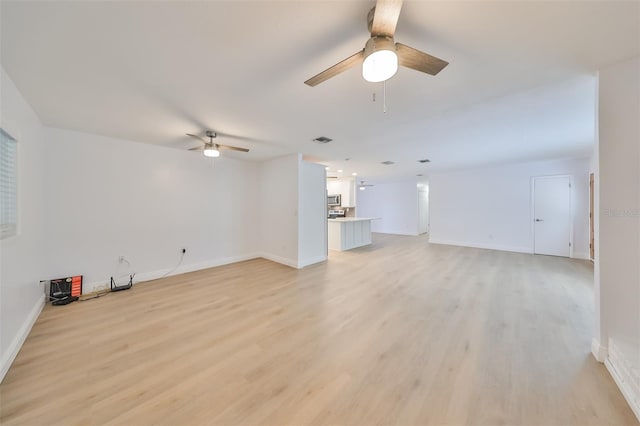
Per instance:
x=346, y=233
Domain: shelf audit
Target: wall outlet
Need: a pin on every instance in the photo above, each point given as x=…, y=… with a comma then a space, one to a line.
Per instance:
x=120, y=259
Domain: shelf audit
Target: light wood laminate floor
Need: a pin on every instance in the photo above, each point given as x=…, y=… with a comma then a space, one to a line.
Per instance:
x=400, y=332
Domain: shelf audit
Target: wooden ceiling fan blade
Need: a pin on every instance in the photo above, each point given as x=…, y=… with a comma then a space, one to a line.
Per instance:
x=232, y=148
x=385, y=18
x=336, y=69
x=198, y=137
x=197, y=148
x=419, y=61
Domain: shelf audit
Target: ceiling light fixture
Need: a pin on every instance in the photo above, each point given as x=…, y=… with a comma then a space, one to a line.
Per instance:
x=211, y=150
x=380, y=59
x=340, y=171
x=354, y=174
x=362, y=188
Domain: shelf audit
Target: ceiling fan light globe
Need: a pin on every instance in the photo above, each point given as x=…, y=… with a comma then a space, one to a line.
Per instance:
x=211, y=152
x=381, y=60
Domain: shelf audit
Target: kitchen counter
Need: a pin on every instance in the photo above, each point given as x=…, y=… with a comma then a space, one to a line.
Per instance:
x=351, y=219
x=346, y=233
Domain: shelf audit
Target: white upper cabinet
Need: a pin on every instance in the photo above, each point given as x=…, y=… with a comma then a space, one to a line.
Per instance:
x=346, y=188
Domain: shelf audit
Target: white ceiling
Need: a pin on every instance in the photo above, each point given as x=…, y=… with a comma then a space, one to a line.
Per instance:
x=519, y=86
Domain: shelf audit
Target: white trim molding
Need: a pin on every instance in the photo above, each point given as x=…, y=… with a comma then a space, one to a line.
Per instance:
x=312, y=261
x=599, y=352
x=626, y=378
x=12, y=351
x=284, y=261
x=498, y=247
x=154, y=275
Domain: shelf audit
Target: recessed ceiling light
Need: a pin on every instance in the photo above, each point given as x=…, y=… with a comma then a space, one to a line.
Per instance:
x=387, y=163
x=419, y=174
x=327, y=168
x=354, y=174
x=340, y=171
x=424, y=160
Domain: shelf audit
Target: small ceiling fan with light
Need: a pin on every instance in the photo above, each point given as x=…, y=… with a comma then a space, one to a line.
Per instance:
x=363, y=185
x=381, y=54
x=210, y=148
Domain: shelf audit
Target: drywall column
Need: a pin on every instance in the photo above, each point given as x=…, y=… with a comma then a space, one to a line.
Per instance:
x=312, y=217
x=293, y=211
x=619, y=225
x=278, y=201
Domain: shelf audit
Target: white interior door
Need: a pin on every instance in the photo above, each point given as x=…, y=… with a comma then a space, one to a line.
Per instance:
x=423, y=211
x=552, y=215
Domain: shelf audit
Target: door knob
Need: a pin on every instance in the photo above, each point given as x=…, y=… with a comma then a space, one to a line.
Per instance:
x=539, y=220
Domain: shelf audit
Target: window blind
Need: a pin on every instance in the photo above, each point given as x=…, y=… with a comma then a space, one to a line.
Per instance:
x=8, y=185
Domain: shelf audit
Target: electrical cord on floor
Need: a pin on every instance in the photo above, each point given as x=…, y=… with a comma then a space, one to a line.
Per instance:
x=96, y=296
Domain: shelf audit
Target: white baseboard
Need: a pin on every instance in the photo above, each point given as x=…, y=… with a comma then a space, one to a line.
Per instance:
x=396, y=233
x=279, y=259
x=515, y=249
x=12, y=351
x=599, y=352
x=191, y=267
x=154, y=275
x=312, y=261
x=628, y=384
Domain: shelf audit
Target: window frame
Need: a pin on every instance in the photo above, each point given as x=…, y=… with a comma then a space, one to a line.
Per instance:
x=12, y=133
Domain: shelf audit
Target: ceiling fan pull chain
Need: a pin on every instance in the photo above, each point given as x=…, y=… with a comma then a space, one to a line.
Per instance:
x=384, y=96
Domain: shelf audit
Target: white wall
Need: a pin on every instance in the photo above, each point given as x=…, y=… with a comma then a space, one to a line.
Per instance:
x=21, y=257
x=85, y=200
x=278, y=200
x=312, y=236
x=618, y=238
x=107, y=197
x=396, y=204
x=491, y=207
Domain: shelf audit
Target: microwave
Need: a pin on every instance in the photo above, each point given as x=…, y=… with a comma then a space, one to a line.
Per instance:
x=333, y=200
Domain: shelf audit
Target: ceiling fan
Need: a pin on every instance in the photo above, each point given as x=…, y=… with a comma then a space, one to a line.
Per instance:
x=212, y=149
x=363, y=185
x=381, y=54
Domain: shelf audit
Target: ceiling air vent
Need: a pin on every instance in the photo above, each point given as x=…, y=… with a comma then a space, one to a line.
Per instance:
x=322, y=139
x=426, y=160
x=387, y=163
